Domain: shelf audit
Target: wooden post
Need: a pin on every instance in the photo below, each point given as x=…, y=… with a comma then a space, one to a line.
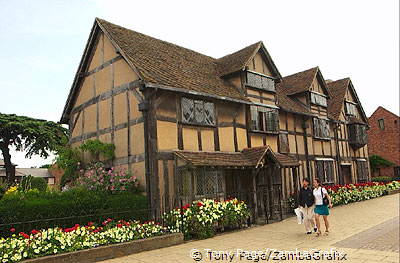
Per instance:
x=254, y=190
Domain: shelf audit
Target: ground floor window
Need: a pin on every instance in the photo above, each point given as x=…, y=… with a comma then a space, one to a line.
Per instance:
x=325, y=171
x=201, y=182
x=362, y=170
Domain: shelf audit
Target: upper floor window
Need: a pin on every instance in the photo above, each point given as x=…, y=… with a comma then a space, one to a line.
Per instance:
x=284, y=143
x=321, y=128
x=197, y=112
x=351, y=108
x=381, y=124
x=357, y=135
x=264, y=119
x=318, y=99
x=324, y=170
x=260, y=81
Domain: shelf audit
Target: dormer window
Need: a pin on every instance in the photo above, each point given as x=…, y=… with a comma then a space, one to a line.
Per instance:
x=260, y=81
x=318, y=99
x=351, y=108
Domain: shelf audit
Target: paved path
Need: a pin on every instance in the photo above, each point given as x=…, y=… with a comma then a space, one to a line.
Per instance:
x=365, y=232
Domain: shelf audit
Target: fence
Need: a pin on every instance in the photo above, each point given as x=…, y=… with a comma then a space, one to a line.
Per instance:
x=80, y=217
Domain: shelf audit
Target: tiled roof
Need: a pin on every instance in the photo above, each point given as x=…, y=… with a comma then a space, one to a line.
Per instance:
x=290, y=104
x=163, y=63
x=35, y=172
x=250, y=157
x=237, y=60
x=299, y=82
x=338, y=91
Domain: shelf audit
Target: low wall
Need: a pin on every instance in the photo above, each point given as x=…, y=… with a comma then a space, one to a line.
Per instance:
x=112, y=251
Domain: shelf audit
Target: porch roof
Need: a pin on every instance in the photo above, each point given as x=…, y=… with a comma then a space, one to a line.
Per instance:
x=249, y=157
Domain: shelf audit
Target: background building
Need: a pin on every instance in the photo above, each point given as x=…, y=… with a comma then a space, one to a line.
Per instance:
x=384, y=140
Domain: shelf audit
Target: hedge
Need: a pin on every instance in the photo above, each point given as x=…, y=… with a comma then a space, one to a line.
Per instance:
x=385, y=179
x=77, y=206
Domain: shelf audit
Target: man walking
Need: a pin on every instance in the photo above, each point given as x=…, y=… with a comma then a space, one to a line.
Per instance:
x=306, y=204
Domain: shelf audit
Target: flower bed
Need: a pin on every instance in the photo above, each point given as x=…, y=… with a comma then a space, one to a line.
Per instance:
x=202, y=219
x=344, y=194
x=57, y=240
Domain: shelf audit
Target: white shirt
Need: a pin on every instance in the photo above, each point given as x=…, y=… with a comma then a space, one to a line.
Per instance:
x=317, y=195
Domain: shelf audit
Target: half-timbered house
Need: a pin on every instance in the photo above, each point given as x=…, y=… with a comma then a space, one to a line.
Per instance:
x=191, y=126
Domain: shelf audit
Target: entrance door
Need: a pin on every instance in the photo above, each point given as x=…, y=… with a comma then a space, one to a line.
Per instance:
x=346, y=173
x=269, y=194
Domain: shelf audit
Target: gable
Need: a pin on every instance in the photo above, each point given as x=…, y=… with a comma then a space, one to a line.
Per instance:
x=318, y=86
x=259, y=64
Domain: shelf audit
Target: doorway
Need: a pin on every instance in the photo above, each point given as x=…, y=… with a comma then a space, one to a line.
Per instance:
x=346, y=174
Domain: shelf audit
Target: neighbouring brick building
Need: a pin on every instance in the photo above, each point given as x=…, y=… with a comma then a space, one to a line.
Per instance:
x=384, y=139
x=191, y=126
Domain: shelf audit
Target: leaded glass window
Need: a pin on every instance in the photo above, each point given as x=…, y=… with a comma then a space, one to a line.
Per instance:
x=197, y=112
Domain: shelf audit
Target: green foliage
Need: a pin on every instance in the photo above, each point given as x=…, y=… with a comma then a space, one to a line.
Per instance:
x=34, y=136
x=385, y=179
x=88, y=205
x=97, y=149
x=3, y=187
x=68, y=159
x=39, y=184
x=26, y=184
x=46, y=166
x=377, y=161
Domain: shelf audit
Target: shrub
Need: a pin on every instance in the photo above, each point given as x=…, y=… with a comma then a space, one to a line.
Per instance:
x=344, y=194
x=97, y=178
x=202, y=218
x=39, y=183
x=385, y=179
x=3, y=187
x=74, y=206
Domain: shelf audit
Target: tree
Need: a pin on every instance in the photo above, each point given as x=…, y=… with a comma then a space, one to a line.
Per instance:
x=34, y=136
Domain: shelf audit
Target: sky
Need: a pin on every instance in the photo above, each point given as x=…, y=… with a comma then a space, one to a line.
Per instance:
x=41, y=43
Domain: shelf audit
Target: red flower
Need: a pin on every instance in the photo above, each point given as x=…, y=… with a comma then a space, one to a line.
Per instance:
x=119, y=225
x=34, y=232
x=24, y=235
x=199, y=204
x=109, y=219
x=90, y=224
x=12, y=230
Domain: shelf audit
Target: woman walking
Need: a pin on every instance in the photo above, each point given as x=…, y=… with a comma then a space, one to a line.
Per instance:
x=322, y=204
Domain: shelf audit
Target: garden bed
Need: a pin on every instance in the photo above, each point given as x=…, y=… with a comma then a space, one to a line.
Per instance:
x=112, y=251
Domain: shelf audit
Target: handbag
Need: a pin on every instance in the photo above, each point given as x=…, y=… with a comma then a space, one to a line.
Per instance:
x=325, y=200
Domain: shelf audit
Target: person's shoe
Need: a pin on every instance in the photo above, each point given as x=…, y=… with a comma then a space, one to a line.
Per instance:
x=318, y=233
x=309, y=233
x=315, y=229
x=326, y=233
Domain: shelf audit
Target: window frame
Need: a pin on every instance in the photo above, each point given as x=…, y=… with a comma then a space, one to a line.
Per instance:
x=325, y=170
x=381, y=121
x=195, y=120
x=353, y=107
x=318, y=134
x=266, y=81
x=317, y=95
x=261, y=113
x=202, y=175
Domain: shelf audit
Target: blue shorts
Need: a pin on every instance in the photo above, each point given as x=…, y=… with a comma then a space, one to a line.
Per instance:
x=321, y=210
